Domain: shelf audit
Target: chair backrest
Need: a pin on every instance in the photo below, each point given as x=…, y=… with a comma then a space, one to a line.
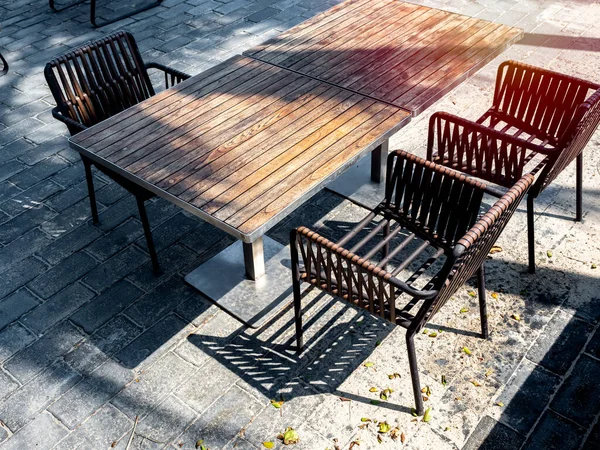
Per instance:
x=472, y=249
x=99, y=79
x=432, y=201
x=542, y=102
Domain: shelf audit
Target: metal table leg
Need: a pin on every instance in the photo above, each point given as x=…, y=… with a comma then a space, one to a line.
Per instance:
x=364, y=183
x=250, y=281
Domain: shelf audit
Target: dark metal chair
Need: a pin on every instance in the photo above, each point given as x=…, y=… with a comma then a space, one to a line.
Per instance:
x=95, y=82
x=428, y=231
x=93, y=11
x=540, y=121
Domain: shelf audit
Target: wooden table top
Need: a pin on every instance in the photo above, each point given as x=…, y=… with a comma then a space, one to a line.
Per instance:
x=404, y=54
x=242, y=144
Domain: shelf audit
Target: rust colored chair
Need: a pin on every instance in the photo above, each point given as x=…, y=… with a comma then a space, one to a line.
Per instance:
x=95, y=82
x=405, y=259
x=539, y=122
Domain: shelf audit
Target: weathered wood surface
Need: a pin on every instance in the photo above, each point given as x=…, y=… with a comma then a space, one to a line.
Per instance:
x=401, y=53
x=242, y=144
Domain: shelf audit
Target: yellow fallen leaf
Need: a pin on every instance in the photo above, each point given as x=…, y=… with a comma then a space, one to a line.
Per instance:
x=365, y=419
x=495, y=295
x=495, y=249
x=516, y=317
x=427, y=415
x=277, y=404
x=475, y=383
x=467, y=351
x=433, y=334
x=499, y=404
x=549, y=253
x=472, y=294
x=384, y=427
x=489, y=372
x=464, y=310
x=368, y=364
x=269, y=444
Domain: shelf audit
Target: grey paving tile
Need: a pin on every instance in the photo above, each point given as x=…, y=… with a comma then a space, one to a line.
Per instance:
x=19, y=274
x=24, y=222
x=116, y=268
x=22, y=247
x=91, y=393
x=7, y=385
x=63, y=274
x=100, y=431
x=107, y=305
x=85, y=357
x=13, y=338
x=57, y=307
x=30, y=198
x=14, y=306
x=70, y=243
x=56, y=342
x=563, y=339
x=579, y=396
x=39, y=171
x=116, y=240
x=493, y=435
x=153, y=385
x=115, y=335
x=526, y=396
x=25, y=404
x=593, y=348
x=42, y=432
x=593, y=440
x=555, y=433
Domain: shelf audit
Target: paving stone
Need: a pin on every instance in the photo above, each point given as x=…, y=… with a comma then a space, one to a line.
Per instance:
x=526, y=396
x=70, y=243
x=19, y=274
x=64, y=273
x=68, y=220
x=30, y=361
x=152, y=341
x=263, y=14
x=24, y=404
x=22, y=247
x=593, y=440
x=48, y=148
x=166, y=422
x=24, y=222
x=110, y=303
x=154, y=384
x=100, y=431
x=116, y=268
x=563, y=339
x=116, y=240
x=85, y=358
x=7, y=385
x=115, y=335
x=71, y=175
x=493, y=435
x=579, y=396
x=42, y=432
x=11, y=168
x=30, y=198
x=593, y=347
x=8, y=190
x=170, y=231
x=17, y=130
x=39, y=171
x=57, y=307
x=110, y=194
x=555, y=433
x=117, y=213
x=76, y=193
x=14, y=306
x=221, y=422
x=95, y=390
x=164, y=299
x=14, y=150
x=13, y=338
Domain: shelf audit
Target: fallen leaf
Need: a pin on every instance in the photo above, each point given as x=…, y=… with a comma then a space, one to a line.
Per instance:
x=365, y=419
x=495, y=249
x=345, y=399
x=594, y=266
x=433, y=334
x=499, y=404
x=549, y=253
x=385, y=394
x=516, y=317
x=368, y=364
x=394, y=375
x=403, y=438
x=413, y=411
x=353, y=443
x=495, y=295
x=475, y=383
x=114, y=444
x=379, y=439
x=467, y=351
x=489, y=372
x=289, y=436
x=425, y=398
x=200, y=445
x=425, y=331
x=472, y=294
x=395, y=433
x=377, y=344
x=464, y=310
x=444, y=382
x=363, y=426
x=384, y=427
x=447, y=429
x=373, y=389
x=268, y=444
x=277, y=404
x=427, y=415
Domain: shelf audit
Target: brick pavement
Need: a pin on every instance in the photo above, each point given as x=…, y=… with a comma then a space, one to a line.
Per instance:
x=90, y=339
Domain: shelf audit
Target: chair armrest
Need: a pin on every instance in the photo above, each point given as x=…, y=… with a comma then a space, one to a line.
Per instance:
x=72, y=124
x=479, y=150
x=172, y=76
x=319, y=266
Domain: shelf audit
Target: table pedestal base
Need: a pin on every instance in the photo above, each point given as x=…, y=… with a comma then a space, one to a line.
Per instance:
x=223, y=280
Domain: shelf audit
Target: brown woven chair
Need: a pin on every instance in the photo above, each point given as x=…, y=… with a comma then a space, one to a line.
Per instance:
x=95, y=82
x=430, y=238
x=540, y=121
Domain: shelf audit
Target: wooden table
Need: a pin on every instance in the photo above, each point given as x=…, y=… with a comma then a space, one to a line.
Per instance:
x=399, y=53
x=241, y=146
x=404, y=54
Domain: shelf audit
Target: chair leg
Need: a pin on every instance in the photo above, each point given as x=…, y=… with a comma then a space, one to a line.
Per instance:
x=414, y=374
x=148, y=233
x=579, y=188
x=386, y=248
x=530, y=234
x=482, y=302
x=297, y=294
x=90, y=185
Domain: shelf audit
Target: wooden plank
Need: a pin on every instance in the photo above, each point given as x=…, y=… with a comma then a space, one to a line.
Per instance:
x=162, y=99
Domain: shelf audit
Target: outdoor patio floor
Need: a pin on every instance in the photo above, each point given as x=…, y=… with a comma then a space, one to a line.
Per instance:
x=90, y=339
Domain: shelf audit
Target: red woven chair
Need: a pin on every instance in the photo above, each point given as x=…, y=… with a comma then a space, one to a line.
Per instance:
x=539, y=122
x=405, y=259
x=95, y=82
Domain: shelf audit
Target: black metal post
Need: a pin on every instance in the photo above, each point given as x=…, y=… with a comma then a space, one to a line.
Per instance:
x=414, y=373
x=482, y=302
x=531, y=233
x=579, y=188
x=148, y=233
